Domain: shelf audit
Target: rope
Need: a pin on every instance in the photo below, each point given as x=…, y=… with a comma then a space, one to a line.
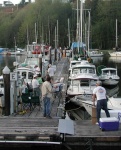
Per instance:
x=73, y=109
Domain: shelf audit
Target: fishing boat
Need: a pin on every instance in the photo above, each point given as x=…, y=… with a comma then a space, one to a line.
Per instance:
x=109, y=76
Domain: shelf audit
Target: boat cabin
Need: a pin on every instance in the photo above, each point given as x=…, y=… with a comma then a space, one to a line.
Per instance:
x=27, y=73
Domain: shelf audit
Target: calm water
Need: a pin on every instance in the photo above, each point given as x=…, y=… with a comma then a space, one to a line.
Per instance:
x=108, y=61
x=105, y=60
x=7, y=60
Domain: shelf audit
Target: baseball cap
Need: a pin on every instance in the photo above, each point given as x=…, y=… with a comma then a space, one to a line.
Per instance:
x=35, y=75
x=99, y=82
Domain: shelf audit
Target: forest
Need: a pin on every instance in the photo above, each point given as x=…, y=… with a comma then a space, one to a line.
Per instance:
x=46, y=21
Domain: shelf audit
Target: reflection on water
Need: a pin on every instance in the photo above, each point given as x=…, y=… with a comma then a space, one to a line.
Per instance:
x=97, y=59
x=115, y=59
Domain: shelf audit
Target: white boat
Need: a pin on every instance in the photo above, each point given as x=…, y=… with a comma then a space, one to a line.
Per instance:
x=18, y=51
x=84, y=69
x=95, y=53
x=26, y=73
x=112, y=91
x=82, y=80
x=74, y=62
x=115, y=54
x=79, y=87
x=109, y=76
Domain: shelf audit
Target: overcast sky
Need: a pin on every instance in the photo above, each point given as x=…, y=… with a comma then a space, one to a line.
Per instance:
x=13, y=1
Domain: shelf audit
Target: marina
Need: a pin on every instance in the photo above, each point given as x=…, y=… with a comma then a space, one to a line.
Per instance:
x=60, y=75
x=31, y=128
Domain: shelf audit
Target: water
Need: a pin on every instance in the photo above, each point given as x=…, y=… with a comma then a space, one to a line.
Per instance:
x=7, y=60
x=108, y=61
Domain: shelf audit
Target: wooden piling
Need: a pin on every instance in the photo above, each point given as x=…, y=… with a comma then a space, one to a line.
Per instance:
x=7, y=93
x=94, y=115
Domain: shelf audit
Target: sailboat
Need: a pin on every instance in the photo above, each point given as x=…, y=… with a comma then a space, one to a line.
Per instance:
x=116, y=53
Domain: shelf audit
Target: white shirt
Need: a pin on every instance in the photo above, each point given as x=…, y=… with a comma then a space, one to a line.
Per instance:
x=51, y=71
x=35, y=83
x=100, y=92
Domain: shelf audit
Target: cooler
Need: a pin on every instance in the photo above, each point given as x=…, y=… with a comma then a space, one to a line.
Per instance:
x=109, y=124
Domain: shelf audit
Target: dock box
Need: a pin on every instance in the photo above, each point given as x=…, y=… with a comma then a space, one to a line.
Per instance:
x=109, y=124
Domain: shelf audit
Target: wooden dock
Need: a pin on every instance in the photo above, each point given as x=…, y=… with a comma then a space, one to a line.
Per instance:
x=31, y=128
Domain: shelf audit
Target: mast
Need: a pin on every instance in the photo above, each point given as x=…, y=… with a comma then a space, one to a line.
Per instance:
x=116, y=35
x=88, y=31
x=68, y=33
x=78, y=24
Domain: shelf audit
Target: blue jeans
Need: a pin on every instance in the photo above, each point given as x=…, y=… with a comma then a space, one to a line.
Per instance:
x=102, y=104
x=46, y=106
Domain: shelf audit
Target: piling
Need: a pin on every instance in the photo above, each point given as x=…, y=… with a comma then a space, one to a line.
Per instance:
x=6, y=78
x=94, y=115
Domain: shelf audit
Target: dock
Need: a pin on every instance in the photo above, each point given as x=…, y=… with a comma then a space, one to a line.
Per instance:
x=32, y=129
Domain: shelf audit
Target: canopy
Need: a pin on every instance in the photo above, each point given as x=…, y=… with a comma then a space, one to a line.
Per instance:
x=77, y=44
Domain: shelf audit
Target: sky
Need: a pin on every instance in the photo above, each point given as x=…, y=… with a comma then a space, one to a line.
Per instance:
x=13, y=1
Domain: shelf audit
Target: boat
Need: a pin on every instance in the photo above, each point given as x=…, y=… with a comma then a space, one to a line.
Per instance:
x=73, y=63
x=82, y=81
x=115, y=54
x=112, y=91
x=18, y=51
x=96, y=53
x=84, y=69
x=109, y=76
x=26, y=73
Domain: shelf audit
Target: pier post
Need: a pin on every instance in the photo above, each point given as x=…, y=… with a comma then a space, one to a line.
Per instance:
x=6, y=78
x=94, y=117
x=50, y=59
x=40, y=63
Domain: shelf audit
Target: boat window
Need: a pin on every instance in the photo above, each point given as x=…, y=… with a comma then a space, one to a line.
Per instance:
x=113, y=72
x=30, y=75
x=73, y=64
x=105, y=72
x=75, y=71
x=84, y=70
x=91, y=71
x=24, y=74
x=84, y=83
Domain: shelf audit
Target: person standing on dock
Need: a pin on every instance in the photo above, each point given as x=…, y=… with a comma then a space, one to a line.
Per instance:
x=47, y=96
x=36, y=86
x=99, y=93
x=51, y=71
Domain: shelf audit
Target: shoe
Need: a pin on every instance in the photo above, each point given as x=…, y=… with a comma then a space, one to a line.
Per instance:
x=49, y=117
x=97, y=123
x=44, y=115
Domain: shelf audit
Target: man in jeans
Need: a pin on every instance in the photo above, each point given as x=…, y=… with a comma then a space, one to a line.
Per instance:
x=99, y=93
x=47, y=96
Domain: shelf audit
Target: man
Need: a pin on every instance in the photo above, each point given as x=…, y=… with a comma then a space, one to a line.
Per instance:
x=51, y=71
x=99, y=93
x=46, y=96
x=36, y=86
